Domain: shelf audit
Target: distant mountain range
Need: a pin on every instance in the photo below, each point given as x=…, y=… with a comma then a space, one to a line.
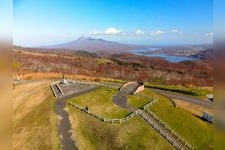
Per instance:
x=204, y=55
x=94, y=45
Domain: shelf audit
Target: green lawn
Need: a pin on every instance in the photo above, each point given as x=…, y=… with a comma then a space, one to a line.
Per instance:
x=138, y=101
x=194, y=130
x=100, y=102
x=136, y=133
x=93, y=134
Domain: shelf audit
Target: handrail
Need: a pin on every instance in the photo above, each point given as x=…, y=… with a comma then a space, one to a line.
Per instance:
x=111, y=120
x=171, y=130
x=114, y=120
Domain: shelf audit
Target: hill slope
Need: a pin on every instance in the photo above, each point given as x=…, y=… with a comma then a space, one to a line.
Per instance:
x=93, y=45
x=204, y=55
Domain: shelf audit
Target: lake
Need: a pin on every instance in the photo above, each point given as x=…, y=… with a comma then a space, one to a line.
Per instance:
x=164, y=56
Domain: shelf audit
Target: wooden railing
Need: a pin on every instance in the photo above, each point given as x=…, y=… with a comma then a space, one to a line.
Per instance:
x=167, y=128
x=103, y=119
x=126, y=119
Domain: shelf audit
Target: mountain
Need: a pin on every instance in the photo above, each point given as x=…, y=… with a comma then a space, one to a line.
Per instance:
x=94, y=45
x=204, y=55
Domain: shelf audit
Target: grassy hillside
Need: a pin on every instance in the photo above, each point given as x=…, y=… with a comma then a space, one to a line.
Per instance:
x=193, y=129
x=101, y=103
x=138, y=101
x=93, y=134
x=34, y=121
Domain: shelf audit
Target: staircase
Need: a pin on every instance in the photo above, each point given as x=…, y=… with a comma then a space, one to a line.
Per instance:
x=56, y=90
x=177, y=141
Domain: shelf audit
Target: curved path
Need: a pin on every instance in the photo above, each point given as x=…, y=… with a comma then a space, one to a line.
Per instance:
x=64, y=126
x=120, y=98
x=182, y=97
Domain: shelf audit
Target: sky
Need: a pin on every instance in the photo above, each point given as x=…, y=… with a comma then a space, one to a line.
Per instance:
x=219, y=19
x=148, y=22
x=6, y=17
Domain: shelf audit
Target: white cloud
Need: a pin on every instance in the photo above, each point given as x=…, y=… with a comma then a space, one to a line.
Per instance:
x=139, y=32
x=156, y=33
x=95, y=33
x=175, y=31
x=209, y=34
x=108, y=31
x=112, y=31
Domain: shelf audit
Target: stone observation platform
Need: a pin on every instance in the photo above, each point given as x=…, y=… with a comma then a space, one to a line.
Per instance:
x=66, y=88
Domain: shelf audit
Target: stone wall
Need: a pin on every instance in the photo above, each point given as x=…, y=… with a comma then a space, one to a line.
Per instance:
x=139, y=89
x=126, y=84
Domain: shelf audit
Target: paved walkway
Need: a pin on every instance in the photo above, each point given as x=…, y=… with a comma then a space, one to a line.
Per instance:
x=120, y=98
x=64, y=126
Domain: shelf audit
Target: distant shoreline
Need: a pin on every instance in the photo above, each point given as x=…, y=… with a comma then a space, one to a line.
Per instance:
x=170, y=58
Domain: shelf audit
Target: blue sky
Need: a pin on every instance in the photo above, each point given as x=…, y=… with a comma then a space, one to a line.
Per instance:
x=6, y=15
x=219, y=19
x=47, y=22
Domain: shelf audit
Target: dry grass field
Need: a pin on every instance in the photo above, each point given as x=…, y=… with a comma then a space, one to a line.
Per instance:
x=52, y=76
x=34, y=120
x=192, y=108
x=5, y=113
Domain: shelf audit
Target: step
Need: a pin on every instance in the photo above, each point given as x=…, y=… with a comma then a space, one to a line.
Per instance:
x=165, y=132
